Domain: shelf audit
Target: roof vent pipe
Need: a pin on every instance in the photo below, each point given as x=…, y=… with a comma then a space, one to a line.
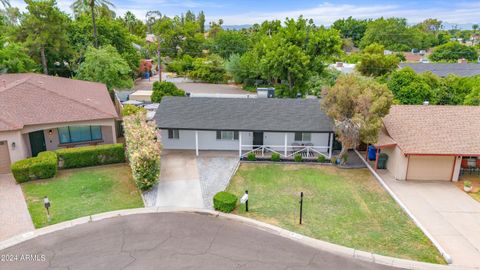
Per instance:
x=426, y=102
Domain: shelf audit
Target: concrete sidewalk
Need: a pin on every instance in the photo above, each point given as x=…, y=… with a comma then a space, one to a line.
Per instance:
x=450, y=215
x=14, y=216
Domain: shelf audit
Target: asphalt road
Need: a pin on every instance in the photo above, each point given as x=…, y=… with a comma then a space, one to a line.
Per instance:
x=171, y=241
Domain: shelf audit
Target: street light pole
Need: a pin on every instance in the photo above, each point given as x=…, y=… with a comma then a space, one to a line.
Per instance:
x=159, y=61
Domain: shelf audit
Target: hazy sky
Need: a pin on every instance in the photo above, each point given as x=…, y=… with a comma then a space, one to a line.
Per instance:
x=323, y=12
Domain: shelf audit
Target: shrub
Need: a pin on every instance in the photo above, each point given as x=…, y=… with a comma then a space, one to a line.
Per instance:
x=41, y=167
x=298, y=158
x=143, y=151
x=251, y=156
x=86, y=156
x=322, y=159
x=275, y=157
x=132, y=109
x=224, y=202
x=161, y=89
x=334, y=160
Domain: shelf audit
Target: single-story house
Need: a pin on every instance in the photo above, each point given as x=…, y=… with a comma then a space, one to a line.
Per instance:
x=426, y=142
x=444, y=69
x=262, y=125
x=40, y=112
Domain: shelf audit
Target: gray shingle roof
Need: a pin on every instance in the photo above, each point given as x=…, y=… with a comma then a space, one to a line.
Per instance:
x=244, y=114
x=443, y=69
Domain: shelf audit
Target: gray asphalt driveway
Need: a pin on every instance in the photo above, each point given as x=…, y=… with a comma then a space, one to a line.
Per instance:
x=173, y=241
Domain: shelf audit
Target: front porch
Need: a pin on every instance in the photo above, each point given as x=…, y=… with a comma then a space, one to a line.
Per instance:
x=288, y=152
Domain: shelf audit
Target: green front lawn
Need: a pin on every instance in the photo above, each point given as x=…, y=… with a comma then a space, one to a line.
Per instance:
x=346, y=207
x=81, y=192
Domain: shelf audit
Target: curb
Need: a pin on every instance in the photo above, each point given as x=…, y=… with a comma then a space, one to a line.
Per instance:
x=315, y=243
x=439, y=247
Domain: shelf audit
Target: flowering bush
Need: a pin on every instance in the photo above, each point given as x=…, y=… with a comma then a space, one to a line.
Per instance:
x=143, y=151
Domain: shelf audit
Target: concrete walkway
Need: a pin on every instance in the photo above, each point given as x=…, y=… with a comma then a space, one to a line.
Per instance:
x=14, y=216
x=177, y=241
x=450, y=215
x=179, y=183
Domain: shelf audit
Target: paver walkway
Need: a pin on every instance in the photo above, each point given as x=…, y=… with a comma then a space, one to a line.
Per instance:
x=215, y=169
x=14, y=216
x=175, y=241
x=450, y=215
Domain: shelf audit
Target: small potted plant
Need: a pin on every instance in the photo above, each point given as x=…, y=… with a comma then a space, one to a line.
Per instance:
x=467, y=186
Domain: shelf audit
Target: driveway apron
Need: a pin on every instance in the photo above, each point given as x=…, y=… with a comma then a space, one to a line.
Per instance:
x=450, y=215
x=179, y=183
x=14, y=216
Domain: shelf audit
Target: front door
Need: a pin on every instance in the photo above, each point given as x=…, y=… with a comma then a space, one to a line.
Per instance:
x=258, y=138
x=37, y=142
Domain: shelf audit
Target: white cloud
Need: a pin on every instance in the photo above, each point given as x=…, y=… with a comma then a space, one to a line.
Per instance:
x=327, y=13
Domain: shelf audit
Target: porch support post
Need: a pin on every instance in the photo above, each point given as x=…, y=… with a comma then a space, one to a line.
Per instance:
x=239, y=144
x=196, y=142
x=285, y=149
x=330, y=147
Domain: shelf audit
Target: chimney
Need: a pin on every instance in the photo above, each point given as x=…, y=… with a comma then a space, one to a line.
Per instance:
x=426, y=103
x=462, y=61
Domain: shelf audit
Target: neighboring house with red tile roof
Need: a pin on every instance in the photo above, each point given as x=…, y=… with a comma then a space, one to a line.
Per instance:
x=40, y=112
x=426, y=142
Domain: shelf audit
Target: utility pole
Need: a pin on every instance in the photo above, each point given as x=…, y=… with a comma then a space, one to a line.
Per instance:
x=159, y=61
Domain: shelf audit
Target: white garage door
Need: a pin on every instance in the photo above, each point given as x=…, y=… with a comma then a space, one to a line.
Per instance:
x=4, y=158
x=430, y=168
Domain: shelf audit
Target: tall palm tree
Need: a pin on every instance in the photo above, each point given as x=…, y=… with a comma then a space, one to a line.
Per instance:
x=5, y=3
x=91, y=5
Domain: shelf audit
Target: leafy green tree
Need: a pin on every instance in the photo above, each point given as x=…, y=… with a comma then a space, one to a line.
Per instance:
x=409, y=87
x=201, y=21
x=109, y=32
x=452, y=51
x=244, y=69
x=105, y=65
x=161, y=89
x=317, y=84
x=14, y=58
x=393, y=33
x=209, y=69
x=373, y=62
x=93, y=5
x=135, y=26
x=230, y=42
x=351, y=28
x=357, y=105
x=453, y=89
x=474, y=97
x=44, y=29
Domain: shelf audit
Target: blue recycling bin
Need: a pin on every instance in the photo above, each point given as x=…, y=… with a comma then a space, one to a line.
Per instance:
x=147, y=75
x=372, y=152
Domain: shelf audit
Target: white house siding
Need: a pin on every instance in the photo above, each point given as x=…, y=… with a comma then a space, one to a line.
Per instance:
x=207, y=140
x=278, y=138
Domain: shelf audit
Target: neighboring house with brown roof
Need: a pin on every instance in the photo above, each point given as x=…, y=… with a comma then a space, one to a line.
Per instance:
x=426, y=142
x=39, y=113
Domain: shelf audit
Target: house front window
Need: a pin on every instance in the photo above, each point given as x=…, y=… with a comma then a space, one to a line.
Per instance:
x=303, y=137
x=173, y=134
x=76, y=134
x=227, y=135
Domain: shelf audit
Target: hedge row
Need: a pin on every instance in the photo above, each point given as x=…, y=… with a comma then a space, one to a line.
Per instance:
x=40, y=167
x=91, y=156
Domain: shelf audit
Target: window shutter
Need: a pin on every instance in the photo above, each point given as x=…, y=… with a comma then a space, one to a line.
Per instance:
x=235, y=135
x=219, y=135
